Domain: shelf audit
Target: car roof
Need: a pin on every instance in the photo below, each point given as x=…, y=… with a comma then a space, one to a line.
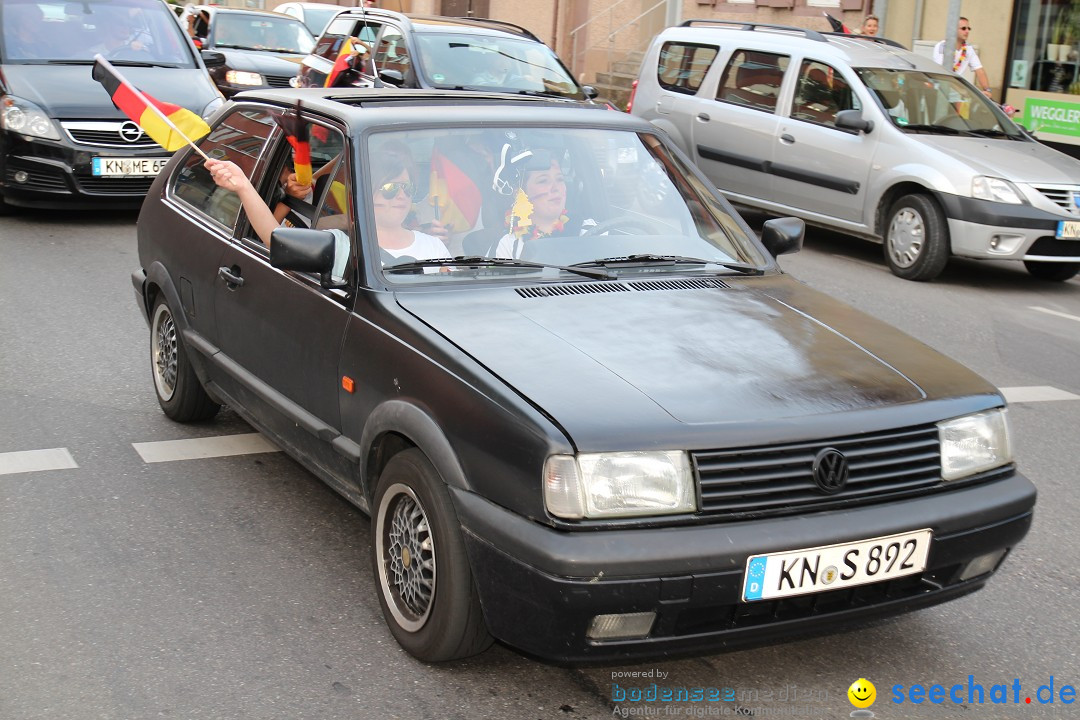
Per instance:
x=215, y=9
x=364, y=107
x=835, y=48
x=437, y=23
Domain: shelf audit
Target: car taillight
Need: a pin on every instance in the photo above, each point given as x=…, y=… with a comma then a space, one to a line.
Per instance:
x=633, y=92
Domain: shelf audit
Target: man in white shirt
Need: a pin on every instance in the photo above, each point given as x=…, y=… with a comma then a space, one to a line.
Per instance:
x=964, y=57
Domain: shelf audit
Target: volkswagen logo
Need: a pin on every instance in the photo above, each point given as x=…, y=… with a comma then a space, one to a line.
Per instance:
x=830, y=470
x=130, y=132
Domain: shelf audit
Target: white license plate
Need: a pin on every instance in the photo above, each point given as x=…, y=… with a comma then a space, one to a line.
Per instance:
x=1068, y=230
x=833, y=567
x=118, y=167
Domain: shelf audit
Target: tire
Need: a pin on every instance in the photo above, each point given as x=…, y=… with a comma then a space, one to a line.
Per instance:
x=916, y=238
x=1059, y=272
x=178, y=389
x=425, y=583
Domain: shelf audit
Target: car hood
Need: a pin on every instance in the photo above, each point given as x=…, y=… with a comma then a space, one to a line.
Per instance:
x=261, y=61
x=761, y=351
x=69, y=91
x=1025, y=162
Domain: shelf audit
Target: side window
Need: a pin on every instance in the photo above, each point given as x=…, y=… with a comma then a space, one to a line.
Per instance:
x=392, y=53
x=330, y=41
x=820, y=93
x=241, y=137
x=682, y=66
x=753, y=79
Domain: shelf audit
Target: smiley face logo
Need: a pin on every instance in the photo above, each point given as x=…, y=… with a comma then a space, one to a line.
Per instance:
x=862, y=693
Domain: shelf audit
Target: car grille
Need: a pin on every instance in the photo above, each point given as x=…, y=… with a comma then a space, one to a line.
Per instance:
x=774, y=480
x=1052, y=247
x=1064, y=196
x=116, y=185
x=39, y=177
x=107, y=134
x=278, y=81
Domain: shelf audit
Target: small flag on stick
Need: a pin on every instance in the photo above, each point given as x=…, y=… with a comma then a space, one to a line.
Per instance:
x=170, y=126
x=298, y=135
x=837, y=25
x=341, y=63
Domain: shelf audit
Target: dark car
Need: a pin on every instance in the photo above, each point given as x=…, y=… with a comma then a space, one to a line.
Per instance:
x=623, y=433
x=62, y=141
x=414, y=51
x=260, y=49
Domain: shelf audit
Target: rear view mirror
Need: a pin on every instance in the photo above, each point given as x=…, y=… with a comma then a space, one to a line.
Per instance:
x=590, y=91
x=392, y=77
x=302, y=250
x=853, y=120
x=212, y=58
x=781, y=236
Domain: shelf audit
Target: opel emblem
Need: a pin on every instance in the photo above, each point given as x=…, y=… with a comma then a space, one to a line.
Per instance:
x=130, y=132
x=830, y=471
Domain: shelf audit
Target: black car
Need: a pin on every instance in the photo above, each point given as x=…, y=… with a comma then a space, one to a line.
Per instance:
x=622, y=433
x=62, y=141
x=415, y=51
x=259, y=49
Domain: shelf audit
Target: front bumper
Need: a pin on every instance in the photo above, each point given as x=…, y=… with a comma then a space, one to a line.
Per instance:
x=990, y=230
x=540, y=588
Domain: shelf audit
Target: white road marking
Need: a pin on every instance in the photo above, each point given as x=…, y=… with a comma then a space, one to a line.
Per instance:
x=1048, y=311
x=1037, y=393
x=36, y=460
x=197, y=448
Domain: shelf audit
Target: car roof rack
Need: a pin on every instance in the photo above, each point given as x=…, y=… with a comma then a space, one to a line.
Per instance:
x=488, y=21
x=810, y=34
x=868, y=38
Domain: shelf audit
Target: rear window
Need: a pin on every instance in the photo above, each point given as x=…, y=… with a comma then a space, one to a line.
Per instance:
x=682, y=66
x=753, y=79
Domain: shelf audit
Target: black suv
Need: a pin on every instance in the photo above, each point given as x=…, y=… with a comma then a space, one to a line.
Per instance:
x=441, y=53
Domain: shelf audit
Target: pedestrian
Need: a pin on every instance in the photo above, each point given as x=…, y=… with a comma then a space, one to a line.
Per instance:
x=870, y=25
x=964, y=57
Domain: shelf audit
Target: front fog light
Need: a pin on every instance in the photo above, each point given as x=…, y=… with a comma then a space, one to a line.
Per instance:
x=974, y=444
x=621, y=627
x=1005, y=244
x=21, y=176
x=982, y=565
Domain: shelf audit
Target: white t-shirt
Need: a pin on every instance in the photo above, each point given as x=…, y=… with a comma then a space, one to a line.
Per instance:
x=511, y=247
x=970, y=60
x=424, y=247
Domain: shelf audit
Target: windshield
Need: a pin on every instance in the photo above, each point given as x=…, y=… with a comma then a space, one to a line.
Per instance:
x=543, y=201
x=936, y=102
x=317, y=19
x=260, y=32
x=493, y=63
x=140, y=31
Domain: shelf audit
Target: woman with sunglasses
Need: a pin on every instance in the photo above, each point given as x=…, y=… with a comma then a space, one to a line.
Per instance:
x=392, y=202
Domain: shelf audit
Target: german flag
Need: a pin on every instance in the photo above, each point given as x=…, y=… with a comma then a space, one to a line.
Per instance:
x=341, y=63
x=170, y=126
x=298, y=135
x=453, y=193
x=837, y=25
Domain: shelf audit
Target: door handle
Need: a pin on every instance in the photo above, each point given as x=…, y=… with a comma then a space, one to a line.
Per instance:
x=703, y=117
x=787, y=139
x=232, y=280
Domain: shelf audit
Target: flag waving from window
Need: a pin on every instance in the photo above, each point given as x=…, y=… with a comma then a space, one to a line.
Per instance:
x=837, y=25
x=170, y=126
x=299, y=136
x=341, y=63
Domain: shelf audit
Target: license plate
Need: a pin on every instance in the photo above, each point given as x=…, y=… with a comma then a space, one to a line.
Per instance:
x=1068, y=230
x=119, y=167
x=833, y=567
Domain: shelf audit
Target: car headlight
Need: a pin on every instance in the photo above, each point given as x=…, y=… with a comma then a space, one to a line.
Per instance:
x=240, y=77
x=212, y=107
x=23, y=116
x=619, y=484
x=974, y=443
x=996, y=189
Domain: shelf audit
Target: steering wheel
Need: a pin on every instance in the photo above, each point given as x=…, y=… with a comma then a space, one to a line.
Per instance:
x=649, y=227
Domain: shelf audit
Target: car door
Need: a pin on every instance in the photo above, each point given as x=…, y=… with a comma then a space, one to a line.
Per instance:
x=281, y=331
x=819, y=169
x=733, y=135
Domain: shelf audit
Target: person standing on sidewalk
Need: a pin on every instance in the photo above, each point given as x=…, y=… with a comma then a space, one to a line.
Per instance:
x=964, y=57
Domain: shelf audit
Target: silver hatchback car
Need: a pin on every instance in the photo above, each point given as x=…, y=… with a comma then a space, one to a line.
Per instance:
x=862, y=136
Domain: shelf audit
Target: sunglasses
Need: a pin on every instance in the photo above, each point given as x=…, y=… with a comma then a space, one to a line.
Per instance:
x=390, y=190
x=965, y=27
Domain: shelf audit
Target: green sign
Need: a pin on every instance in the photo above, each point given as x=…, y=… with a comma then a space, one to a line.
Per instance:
x=1052, y=116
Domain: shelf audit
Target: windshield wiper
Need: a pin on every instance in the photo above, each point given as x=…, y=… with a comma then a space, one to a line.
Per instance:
x=650, y=260
x=478, y=261
x=142, y=63
x=940, y=130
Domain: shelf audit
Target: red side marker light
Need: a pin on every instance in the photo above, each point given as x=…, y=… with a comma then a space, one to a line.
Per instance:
x=347, y=383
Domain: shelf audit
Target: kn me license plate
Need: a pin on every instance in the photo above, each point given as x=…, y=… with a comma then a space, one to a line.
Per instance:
x=833, y=567
x=127, y=167
x=1068, y=230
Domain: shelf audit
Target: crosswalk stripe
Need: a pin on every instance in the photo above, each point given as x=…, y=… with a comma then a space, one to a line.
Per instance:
x=1037, y=393
x=197, y=448
x=1056, y=313
x=36, y=460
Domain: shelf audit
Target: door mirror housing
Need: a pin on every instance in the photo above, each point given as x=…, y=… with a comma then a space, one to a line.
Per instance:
x=590, y=92
x=302, y=250
x=782, y=236
x=212, y=58
x=392, y=77
x=853, y=120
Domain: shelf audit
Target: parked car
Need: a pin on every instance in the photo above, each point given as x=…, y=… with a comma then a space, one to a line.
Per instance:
x=412, y=51
x=62, y=141
x=633, y=436
x=315, y=16
x=260, y=49
x=863, y=137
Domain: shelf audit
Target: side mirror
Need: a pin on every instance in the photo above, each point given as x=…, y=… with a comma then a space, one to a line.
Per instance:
x=853, y=120
x=303, y=250
x=393, y=77
x=781, y=236
x=213, y=58
x=590, y=92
